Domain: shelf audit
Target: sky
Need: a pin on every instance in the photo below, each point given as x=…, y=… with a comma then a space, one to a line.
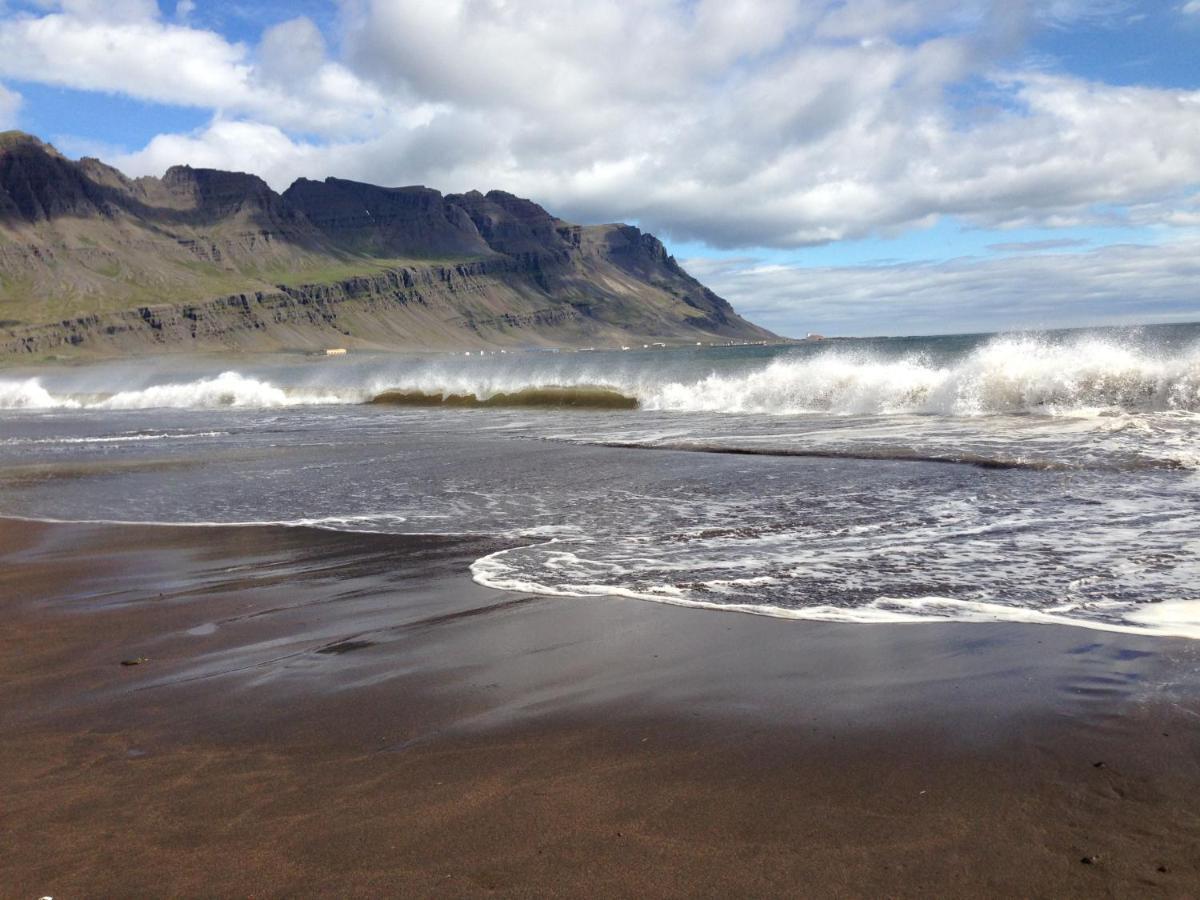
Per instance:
x=850, y=167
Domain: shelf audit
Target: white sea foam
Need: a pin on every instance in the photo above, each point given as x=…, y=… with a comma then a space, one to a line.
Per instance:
x=1174, y=619
x=370, y=523
x=29, y=394
x=116, y=438
x=228, y=389
x=1009, y=374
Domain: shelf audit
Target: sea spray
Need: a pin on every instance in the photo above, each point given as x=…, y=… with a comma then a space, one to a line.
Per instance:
x=30, y=394
x=1008, y=375
x=1065, y=486
x=228, y=389
x=1005, y=375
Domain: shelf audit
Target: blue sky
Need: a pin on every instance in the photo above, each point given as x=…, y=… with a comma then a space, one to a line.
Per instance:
x=847, y=166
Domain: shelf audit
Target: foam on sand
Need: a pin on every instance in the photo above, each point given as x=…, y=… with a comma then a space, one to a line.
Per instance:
x=1176, y=619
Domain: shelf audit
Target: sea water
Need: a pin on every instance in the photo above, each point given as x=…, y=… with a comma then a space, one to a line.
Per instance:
x=1022, y=477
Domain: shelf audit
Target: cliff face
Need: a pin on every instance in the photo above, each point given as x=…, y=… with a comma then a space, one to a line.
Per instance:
x=94, y=262
x=387, y=222
x=447, y=307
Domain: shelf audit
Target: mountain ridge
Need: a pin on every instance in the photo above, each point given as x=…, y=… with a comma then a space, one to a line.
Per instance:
x=87, y=253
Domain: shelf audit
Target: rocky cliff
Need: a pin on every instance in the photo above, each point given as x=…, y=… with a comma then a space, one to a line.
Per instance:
x=94, y=262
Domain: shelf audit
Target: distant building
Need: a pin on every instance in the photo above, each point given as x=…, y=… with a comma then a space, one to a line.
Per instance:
x=335, y=351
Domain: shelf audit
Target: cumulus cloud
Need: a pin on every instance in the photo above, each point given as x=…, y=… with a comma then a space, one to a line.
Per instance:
x=291, y=50
x=732, y=122
x=263, y=150
x=1120, y=284
x=125, y=47
x=139, y=57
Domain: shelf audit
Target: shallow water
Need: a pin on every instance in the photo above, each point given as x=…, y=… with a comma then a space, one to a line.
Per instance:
x=1038, y=478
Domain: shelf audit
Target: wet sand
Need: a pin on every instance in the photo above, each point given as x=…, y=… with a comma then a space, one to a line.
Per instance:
x=323, y=713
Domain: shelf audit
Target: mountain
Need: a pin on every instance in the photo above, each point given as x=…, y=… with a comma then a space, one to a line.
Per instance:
x=94, y=262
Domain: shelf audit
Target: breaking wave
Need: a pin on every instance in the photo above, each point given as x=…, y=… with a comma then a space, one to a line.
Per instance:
x=29, y=394
x=578, y=397
x=1007, y=375
x=229, y=389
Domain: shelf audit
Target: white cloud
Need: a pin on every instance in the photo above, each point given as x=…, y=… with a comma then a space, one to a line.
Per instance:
x=262, y=150
x=125, y=48
x=737, y=123
x=291, y=50
x=1191, y=8
x=1120, y=284
x=142, y=58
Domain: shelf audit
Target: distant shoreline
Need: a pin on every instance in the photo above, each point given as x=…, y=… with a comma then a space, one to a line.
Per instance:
x=15, y=361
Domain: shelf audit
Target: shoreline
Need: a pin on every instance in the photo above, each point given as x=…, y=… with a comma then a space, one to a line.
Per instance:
x=339, y=712
x=885, y=616
x=166, y=354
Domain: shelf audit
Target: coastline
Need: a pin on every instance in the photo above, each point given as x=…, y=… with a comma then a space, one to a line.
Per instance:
x=330, y=712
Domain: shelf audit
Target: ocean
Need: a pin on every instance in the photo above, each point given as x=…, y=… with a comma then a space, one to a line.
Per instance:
x=1034, y=477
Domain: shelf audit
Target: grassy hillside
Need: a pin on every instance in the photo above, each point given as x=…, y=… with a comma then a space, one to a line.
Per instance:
x=82, y=245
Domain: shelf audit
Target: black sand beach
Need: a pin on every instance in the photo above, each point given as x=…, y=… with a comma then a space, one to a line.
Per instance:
x=326, y=713
x=648, y=449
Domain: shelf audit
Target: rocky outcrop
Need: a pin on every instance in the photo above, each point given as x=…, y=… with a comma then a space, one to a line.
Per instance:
x=513, y=226
x=93, y=261
x=386, y=222
x=38, y=184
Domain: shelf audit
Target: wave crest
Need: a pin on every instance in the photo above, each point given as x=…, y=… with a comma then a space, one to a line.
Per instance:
x=29, y=394
x=554, y=396
x=1007, y=375
x=227, y=390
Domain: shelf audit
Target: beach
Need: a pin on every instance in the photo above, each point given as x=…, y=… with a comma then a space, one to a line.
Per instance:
x=676, y=449
x=319, y=712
